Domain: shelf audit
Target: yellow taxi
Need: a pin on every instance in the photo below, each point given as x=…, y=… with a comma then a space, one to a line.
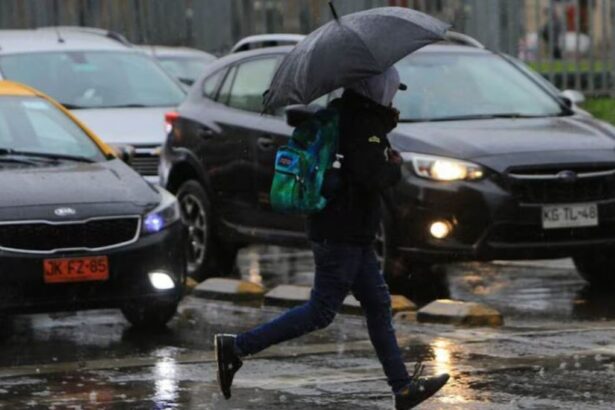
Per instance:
x=79, y=228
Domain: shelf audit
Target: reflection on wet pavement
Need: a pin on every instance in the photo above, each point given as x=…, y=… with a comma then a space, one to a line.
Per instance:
x=555, y=351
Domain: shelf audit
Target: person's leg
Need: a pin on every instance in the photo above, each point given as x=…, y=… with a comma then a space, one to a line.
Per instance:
x=336, y=268
x=371, y=290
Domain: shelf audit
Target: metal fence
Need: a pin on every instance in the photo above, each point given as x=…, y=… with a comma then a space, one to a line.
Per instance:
x=572, y=42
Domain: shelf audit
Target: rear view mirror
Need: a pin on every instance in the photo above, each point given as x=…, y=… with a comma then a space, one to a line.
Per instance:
x=575, y=97
x=298, y=114
x=124, y=152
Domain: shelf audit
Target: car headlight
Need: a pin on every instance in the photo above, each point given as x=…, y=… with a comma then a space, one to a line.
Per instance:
x=165, y=214
x=443, y=169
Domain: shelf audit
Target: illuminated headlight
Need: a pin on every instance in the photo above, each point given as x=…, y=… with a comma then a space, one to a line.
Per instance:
x=165, y=214
x=443, y=169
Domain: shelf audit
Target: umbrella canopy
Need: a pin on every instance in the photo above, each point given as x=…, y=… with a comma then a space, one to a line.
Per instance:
x=349, y=49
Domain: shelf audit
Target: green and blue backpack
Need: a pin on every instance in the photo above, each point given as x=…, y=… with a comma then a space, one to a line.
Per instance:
x=301, y=165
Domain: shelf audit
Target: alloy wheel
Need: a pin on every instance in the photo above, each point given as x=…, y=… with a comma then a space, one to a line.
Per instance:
x=195, y=219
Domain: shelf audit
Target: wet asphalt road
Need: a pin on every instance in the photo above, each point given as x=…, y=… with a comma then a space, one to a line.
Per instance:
x=556, y=350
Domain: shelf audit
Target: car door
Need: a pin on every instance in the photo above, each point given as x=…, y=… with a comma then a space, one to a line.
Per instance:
x=258, y=135
x=211, y=134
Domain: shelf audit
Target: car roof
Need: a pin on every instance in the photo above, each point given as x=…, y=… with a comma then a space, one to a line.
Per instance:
x=10, y=88
x=168, y=51
x=60, y=39
x=442, y=47
x=261, y=38
x=230, y=59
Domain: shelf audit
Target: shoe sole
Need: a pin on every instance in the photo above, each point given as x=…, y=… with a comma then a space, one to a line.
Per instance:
x=219, y=373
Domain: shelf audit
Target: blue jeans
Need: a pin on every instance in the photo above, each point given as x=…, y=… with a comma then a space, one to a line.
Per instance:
x=340, y=269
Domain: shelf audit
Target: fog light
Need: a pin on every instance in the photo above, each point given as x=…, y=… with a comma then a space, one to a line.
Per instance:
x=440, y=229
x=161, y=280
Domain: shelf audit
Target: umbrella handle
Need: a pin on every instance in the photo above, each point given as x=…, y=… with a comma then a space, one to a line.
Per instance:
x=333, y=11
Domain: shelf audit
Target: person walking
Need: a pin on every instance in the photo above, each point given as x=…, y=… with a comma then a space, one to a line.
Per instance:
x=342, y=237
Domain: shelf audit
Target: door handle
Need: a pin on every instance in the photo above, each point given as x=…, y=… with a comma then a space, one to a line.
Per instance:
x=265, y=143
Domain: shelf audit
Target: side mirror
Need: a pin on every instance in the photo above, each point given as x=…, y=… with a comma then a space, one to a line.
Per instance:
x=573, y=96
x=124, y=152
x=298, y=114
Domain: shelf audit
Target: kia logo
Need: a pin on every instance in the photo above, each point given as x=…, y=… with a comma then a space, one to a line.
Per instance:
x=64, y=211
x=567, y=176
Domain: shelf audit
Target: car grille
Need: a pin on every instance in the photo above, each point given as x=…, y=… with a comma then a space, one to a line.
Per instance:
x=546, y=187
x=48, y=237
x=145, y=161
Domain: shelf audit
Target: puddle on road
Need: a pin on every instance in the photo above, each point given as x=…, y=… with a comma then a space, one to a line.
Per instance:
x=552, y=291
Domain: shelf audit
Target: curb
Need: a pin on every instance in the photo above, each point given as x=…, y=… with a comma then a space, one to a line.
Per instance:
x=460, y=313
x=286, y=296
x=229, y=289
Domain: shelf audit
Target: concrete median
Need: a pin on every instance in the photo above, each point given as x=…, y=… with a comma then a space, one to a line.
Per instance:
x=290, y=296
x=460, y=313
x=229, y=289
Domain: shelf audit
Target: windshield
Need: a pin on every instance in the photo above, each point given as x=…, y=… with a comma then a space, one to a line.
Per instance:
x=442, y=86
x=95, y=79
x=184, y=68
x=33, y=125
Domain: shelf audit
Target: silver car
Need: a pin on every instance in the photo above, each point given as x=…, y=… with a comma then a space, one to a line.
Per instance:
x=184, y=63
x=114, y=88
x=266, y=40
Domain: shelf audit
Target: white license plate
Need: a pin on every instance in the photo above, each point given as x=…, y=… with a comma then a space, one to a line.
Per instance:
x=569, y=216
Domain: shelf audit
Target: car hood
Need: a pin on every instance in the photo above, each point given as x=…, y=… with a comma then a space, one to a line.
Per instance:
x=132, y=126
x=502, y=143
x=97, y=189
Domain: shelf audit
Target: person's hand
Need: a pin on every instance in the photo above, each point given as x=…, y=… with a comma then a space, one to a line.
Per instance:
x=395, y=157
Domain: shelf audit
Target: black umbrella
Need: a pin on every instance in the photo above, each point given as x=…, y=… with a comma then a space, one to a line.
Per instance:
x=349, y=49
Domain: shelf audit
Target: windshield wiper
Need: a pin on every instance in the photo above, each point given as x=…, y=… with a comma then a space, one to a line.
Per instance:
x=476, y=117
x=8, y=152
x=134, y=105
x=69, y=106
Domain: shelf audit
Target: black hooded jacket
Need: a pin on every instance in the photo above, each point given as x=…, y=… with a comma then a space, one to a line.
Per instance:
x=354, y=210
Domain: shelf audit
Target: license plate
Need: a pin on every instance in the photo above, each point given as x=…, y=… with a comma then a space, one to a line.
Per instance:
x=76, y=269
x=569, y=216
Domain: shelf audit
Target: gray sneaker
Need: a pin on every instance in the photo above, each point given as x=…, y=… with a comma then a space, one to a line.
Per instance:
x=419, y=389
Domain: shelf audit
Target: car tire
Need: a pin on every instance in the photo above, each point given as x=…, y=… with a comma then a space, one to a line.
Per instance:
x=597, y=268
x=149, y=314
x=207, y=256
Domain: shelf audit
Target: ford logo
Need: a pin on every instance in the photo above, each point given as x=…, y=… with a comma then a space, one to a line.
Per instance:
x=567, y=176
x=64, y=211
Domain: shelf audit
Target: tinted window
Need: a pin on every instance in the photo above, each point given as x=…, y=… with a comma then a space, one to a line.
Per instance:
x=251, y=81
x=210, y=85
x=457, y=85
x=33, y=124
x=95, y=79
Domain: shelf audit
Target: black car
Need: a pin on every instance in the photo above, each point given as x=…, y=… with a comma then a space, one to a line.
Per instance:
x=79, y=228
x=497, y=166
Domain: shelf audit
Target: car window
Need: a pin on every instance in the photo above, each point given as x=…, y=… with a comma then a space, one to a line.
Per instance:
x=453, y=85
x=95, y=79
x=225, y=91
x=184, y=68
x=251, y=81
x=210, y=85
x=35, y=125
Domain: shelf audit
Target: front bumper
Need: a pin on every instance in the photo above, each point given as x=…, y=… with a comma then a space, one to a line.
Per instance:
x=490, y=223
x=23, y=290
